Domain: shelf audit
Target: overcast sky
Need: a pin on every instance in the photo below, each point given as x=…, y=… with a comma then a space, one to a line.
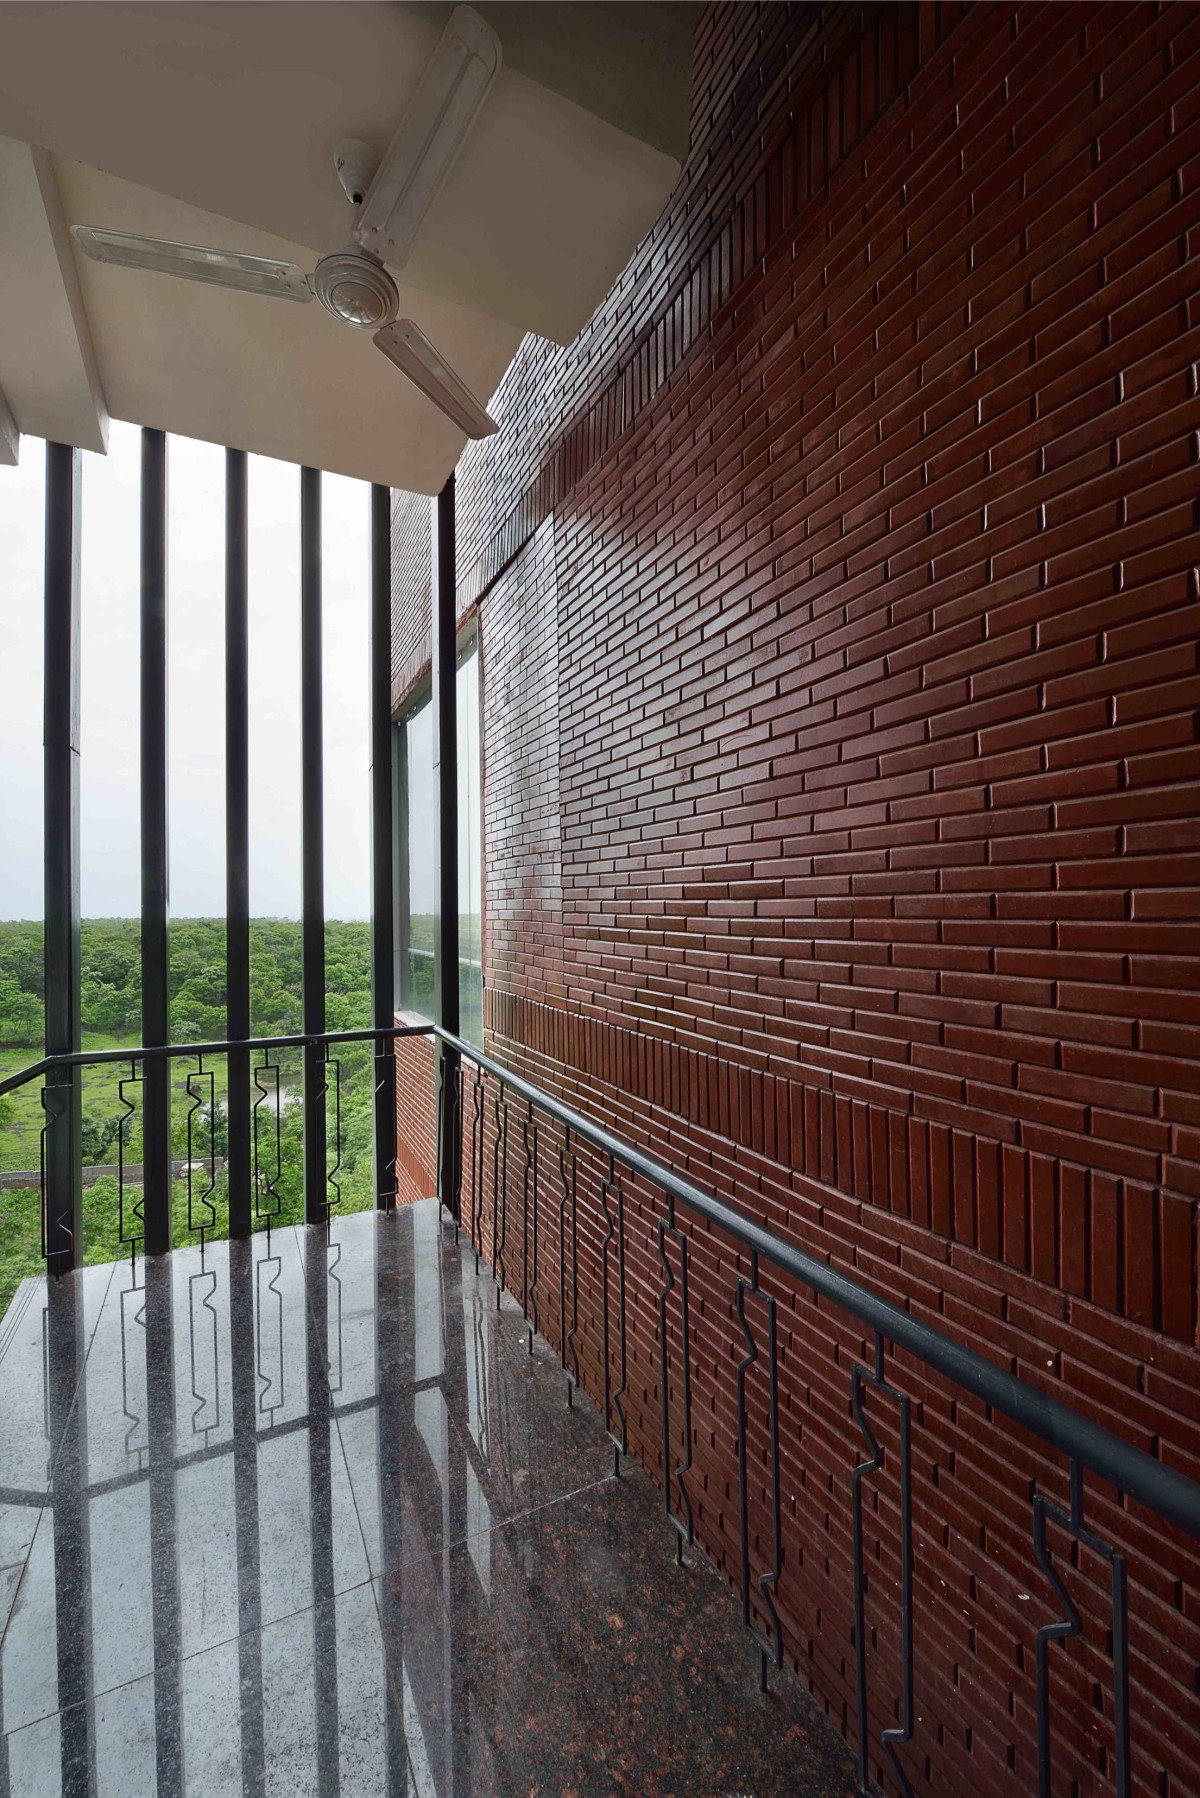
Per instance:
x=110, y=878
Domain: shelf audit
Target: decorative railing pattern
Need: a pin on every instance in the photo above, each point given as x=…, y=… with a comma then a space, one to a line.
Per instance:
x=575, y=1182
x=674, y=1216
x=202, y=1099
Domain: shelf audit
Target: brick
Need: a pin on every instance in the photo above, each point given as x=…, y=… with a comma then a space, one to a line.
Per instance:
x=838, y=599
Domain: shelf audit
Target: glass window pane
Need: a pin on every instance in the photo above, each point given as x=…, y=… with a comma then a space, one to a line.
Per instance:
x=470, y=872
x=421, y=851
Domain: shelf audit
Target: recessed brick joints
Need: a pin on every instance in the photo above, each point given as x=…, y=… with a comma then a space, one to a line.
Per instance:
x=840, y=625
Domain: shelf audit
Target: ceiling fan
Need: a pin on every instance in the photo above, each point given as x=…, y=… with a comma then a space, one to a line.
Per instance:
x=390, y=200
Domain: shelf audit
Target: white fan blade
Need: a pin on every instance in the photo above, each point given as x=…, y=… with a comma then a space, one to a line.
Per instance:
x=222, y=268
x=407, y=346
x=430, y=135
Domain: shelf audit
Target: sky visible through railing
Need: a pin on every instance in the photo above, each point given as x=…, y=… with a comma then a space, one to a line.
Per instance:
x=110, y=878
x=110, y=883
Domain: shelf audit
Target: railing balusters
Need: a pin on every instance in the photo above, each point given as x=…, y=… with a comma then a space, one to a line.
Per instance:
x=268, y=1201
x=1071, y=1522
x=477, y=1150
x=47, y=1114
x=499, y=1190
x=529, y=1268
x=568, y=1171
x=127, y=1238
x=769, y=1581
x=623, y=1320
x=684, y=1528
x=201, y=1075
x=456, y=1078
x=1086, y=1445
x=334, y=1062
x=891, y=1739
x=605, y=1243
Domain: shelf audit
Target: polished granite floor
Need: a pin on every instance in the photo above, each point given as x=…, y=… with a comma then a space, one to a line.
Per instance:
x=305, y=1516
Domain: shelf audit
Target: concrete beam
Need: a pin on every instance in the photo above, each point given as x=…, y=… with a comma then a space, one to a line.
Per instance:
x=10, y=437
x=48, y=370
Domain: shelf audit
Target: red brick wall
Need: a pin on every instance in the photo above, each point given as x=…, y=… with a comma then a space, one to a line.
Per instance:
x=839, y=618
x=416, y=1104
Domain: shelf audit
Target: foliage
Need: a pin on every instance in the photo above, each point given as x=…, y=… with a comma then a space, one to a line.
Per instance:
x=111, y=992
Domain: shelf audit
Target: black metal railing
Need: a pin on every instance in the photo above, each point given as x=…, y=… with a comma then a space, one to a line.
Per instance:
x=685, y=1217
x=599, y=1323
x=263, y=1099
x=61, y=797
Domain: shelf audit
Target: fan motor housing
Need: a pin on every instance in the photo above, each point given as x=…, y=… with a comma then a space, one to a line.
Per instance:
x=356, y=288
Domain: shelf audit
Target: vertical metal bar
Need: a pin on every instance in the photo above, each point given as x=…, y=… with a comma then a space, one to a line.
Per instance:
x=313, y=811
x=156, y=1074
x=383, y=922
x=63, y=1221
x=237, y=839
x=445, y=752
x=527, y=1140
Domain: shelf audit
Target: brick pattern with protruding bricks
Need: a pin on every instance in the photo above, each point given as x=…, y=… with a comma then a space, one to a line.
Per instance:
x=839, y=616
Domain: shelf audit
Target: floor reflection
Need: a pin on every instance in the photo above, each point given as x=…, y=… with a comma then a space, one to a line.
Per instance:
x=304, y=1515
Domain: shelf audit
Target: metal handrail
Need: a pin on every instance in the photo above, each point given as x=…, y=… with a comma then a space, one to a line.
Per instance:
x=1085, y=1444
x=1172, y=1494
x=97, y=1057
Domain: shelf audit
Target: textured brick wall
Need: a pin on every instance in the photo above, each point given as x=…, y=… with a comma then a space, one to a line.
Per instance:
x=416, y=1101
x=839, y=620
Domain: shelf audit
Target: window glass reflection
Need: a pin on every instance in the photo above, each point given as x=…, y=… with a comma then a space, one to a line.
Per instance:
x=470, y=869
x=420, y=852
x=418, y=855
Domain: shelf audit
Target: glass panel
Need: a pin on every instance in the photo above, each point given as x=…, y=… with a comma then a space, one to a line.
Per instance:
x=470, y=871
x=421, y=857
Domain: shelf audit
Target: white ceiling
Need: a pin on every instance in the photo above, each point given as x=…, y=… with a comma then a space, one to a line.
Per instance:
x=214, y=123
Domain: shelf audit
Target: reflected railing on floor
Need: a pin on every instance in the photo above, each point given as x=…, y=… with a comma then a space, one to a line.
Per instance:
x=750, y=1277
x=600, y=1243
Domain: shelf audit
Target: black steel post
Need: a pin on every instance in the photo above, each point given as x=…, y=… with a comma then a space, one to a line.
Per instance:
x=383, y=944
x=237, y=841
x=156, y=1077
x=445, y=755
x=64, y=1178
x=313, y=804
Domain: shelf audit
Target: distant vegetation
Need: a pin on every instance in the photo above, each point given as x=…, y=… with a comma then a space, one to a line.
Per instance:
x=111, y=984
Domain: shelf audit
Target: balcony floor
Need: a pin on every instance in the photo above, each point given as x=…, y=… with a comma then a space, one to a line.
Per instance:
x=308, y=1517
